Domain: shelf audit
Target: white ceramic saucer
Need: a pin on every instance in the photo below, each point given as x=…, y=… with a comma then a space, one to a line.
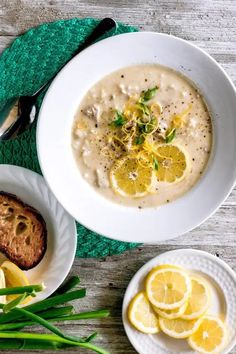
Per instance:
x=31, y=188
x=222, y=281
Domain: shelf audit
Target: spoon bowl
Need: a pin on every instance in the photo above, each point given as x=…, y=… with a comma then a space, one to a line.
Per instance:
x=18, y=113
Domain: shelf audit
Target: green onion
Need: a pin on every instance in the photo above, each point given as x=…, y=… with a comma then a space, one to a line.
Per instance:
x=21, y=290
x=46, y=313
x=9, y=344
x=139, y=140
x=91, y=337
x=73, y=317
x=83, y=316
x=51, y=313
x=119, y=120
x=148, y=95
x=12, y=304
x=56, y=312
x=44, y=304
x=46, y=324
x=51, y=338
x=155, y=164
x=170, y=136
x=67, y=286
x=144, y=108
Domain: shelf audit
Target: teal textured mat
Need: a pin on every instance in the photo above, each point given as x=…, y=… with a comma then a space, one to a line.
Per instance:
x=30, y=61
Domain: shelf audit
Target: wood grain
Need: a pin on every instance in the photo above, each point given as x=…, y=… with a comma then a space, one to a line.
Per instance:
x=210, y=24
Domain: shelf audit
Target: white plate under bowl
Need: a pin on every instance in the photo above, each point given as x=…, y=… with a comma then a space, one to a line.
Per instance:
x=222, y=282
x=31, y=188
x=54, y=138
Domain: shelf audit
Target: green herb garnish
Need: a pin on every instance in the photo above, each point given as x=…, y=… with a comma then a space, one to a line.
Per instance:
x=155, y=164
x=170, y=136
x=144, y=108
x=139, y=140
x=119, y=120
x=148, y=95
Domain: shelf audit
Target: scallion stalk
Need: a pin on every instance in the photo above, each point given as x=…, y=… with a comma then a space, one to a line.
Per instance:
x=44, y=305
x=51, y=338
x=73, y=317
x=56, y=312
x=17, y=290
x=46, y=324
x=67, y=286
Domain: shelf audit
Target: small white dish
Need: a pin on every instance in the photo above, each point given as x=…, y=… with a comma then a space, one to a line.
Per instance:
x=59, y=166
x=222, y=282
x=31, y=188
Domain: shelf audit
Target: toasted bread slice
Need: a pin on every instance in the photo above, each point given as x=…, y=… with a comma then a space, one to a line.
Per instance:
x=23, y=233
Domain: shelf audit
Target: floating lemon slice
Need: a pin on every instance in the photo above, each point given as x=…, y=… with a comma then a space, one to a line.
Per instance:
x=168, y=288
x=210, y=337
x=131, y=177
x=171, y=314
x=172, y=163
x=199, y=300
x=141, y=314
x=179, y=328
x=14, y=277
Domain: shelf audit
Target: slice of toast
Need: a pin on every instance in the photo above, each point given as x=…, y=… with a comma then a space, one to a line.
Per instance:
x=23, y=232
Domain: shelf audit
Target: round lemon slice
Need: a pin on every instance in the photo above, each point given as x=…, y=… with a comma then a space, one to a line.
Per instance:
x=14, y=277
x=171, y=314
x=168, y=288
x=199, y=300
x=168, y=266
x=210, y=337
x=131, y=177
x=142, y=316
x=172, y=163
x=179, y=328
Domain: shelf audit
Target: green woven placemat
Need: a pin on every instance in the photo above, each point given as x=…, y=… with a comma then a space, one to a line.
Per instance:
x=31, y=60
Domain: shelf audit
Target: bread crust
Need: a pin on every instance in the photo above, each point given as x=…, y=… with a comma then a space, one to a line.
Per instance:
x=23, y=232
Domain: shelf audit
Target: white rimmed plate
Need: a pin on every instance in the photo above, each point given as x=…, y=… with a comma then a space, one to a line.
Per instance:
x=222, y=282
x=31, y=188
x=54, y=138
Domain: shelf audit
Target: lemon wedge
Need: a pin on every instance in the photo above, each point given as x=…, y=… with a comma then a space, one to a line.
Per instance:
x=171, y=314
x=168, y=288
x=141, y=314
x=179, y=328
x=172, y=163
x=131, y=177
x=199, y=300
x=14, y=277
x=2, y=285
x=210, y=337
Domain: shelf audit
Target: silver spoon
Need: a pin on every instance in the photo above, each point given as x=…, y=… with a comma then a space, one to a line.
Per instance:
x=18, y=113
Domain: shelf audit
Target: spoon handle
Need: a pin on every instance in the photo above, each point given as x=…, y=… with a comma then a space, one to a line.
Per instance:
x=100, y=30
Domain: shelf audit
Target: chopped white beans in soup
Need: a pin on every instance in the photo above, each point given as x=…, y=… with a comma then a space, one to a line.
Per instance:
x=142, y=136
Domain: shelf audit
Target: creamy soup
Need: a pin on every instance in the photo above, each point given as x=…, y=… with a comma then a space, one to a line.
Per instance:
x=142, y=136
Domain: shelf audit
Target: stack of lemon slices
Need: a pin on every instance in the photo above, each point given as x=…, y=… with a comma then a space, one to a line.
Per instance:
x=176, y=302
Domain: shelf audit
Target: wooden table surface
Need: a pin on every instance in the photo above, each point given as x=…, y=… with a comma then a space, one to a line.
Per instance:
x=211, y=25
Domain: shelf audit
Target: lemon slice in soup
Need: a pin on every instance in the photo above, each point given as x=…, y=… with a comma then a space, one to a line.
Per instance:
x=131, y=176
x=172, y=163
